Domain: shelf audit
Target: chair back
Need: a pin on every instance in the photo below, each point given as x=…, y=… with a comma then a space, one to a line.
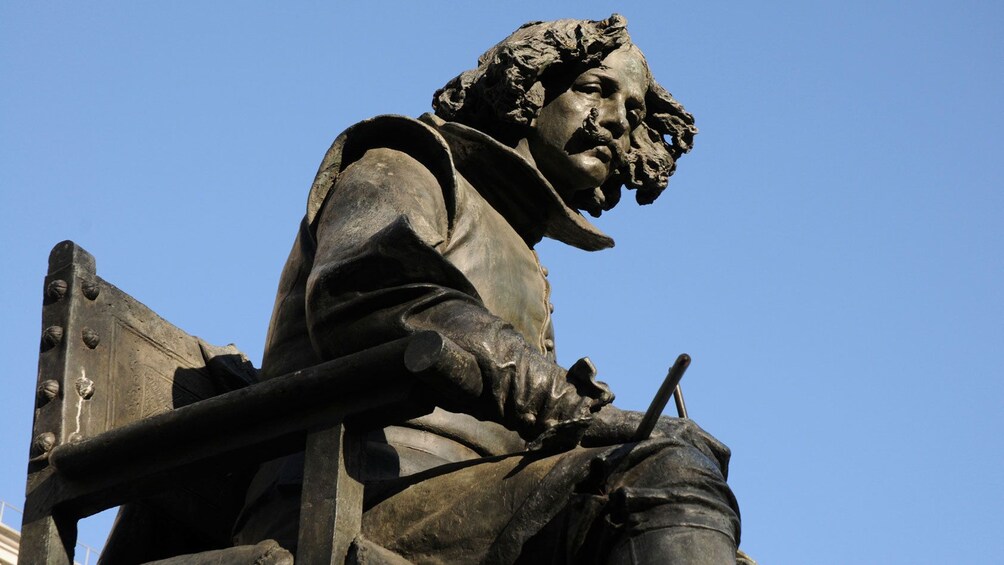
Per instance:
x=105, y=361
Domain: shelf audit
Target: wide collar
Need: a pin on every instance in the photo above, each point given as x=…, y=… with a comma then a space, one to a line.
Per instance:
x=516, y=189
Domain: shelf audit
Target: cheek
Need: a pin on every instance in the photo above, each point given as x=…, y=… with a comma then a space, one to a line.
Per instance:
x=551, y=132
x=559, y=120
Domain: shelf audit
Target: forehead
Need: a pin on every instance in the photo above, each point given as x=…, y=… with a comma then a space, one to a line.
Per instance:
x=628, y=68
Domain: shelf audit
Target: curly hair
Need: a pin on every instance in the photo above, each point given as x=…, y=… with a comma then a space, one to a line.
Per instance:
x=505, y=92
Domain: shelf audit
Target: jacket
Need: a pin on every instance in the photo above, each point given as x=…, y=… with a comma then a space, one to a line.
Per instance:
x=424, y=224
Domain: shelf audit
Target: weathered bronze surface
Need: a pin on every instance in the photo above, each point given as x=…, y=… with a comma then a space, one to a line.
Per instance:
x=430, y=224
x=172, y=427
x=409, y=386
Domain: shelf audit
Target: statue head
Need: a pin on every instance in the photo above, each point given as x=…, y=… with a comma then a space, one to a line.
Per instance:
x=577, y=98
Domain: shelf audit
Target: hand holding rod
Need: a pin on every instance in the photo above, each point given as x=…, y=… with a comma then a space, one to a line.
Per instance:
x=669, y=386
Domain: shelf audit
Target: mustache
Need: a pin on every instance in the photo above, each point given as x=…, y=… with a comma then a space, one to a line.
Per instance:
x=592, y=131
x=592, y=134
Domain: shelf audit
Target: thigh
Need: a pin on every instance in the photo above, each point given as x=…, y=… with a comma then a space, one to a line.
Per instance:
x=478, y=513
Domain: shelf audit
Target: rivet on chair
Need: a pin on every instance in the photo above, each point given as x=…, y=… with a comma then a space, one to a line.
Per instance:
x=51, y=336
x=90, y=337
x=90, y=289
x=56, y=289
x=48, y=390
x=43, y=444
x=85, y=388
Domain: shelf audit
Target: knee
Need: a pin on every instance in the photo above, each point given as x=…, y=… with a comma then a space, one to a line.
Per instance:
x=664, y=483
x=684, y=433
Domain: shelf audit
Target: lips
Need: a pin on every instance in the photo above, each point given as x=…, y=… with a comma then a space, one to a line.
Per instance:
x=603, y=153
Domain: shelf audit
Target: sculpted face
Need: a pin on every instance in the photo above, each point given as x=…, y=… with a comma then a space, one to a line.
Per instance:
x=578, y=138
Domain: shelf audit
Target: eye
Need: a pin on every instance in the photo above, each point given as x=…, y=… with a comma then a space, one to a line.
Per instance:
x=590, y=87
x=635, y=117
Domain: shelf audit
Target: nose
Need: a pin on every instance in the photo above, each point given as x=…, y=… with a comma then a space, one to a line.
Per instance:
x=615, y=118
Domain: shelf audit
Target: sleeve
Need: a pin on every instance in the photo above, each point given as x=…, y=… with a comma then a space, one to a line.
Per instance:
x=378, y=275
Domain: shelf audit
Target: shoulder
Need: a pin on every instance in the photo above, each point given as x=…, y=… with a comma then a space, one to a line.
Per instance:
x=396, y=145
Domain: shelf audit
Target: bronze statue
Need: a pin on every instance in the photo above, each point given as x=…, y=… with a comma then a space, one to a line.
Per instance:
x=430, y=224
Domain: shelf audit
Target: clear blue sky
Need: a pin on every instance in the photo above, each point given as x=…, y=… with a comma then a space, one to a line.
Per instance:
x=831, y=253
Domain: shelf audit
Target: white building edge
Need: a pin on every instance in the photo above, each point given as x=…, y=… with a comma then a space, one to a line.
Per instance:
x=10, y=540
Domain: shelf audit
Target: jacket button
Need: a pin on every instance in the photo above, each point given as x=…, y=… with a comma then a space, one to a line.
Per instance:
x=549, y=344
x=544, y=270
x=550, y=307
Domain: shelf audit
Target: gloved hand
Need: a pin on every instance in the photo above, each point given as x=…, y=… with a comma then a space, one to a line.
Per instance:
x=611, y=426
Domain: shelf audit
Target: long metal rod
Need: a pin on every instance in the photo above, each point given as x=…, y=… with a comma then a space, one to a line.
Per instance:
x=669, y=386
x=681, y=406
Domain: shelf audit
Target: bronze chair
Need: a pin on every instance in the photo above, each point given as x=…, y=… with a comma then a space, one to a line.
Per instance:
x=130, y=410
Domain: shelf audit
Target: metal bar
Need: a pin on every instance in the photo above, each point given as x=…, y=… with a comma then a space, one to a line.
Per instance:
x=257, y=423
x=287, y=402
x=681, y=406
x=662, y=397
x=446, y=367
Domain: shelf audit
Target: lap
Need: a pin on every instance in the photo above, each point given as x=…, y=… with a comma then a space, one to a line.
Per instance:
x=494, y=510
x=479, y=512
x=570, y=506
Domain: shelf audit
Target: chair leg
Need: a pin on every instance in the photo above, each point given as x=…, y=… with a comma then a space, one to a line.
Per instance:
x=49, y=539
x=332, y=502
